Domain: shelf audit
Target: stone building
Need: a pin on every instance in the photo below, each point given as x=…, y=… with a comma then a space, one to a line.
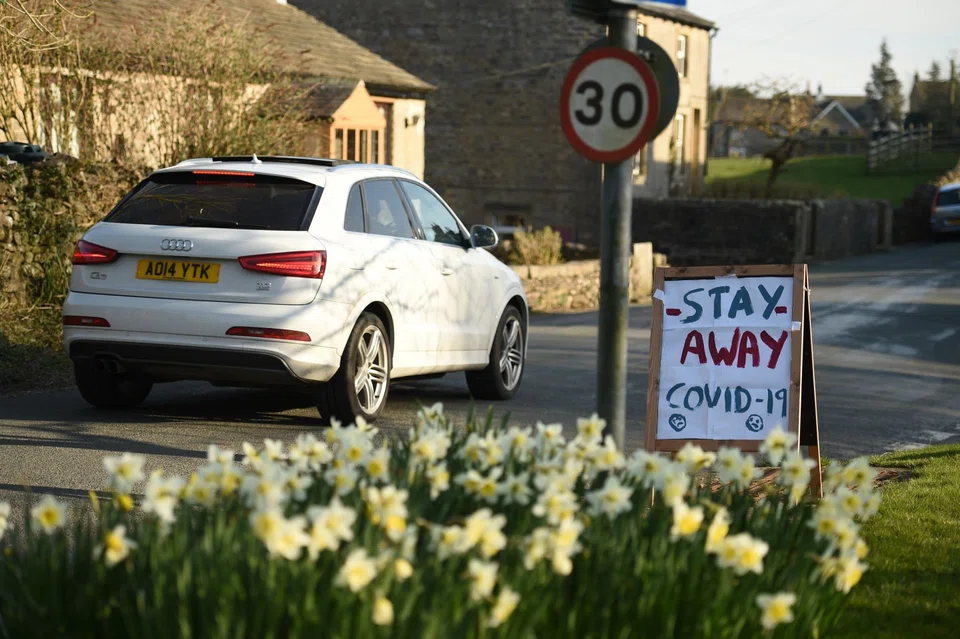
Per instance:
x=494, y=146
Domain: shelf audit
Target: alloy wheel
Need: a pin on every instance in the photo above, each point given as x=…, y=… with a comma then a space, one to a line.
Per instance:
x=370, y=378
x=511, y=353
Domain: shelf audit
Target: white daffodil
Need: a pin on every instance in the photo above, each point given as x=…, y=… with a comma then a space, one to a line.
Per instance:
x=273, y=450
x=49, y=514
x=431, y=415
x=775, y=609
x=470, y=480
x=747, y=473
x=357, y=571
x=354, y=447
x=536, y=547
x=378, y=465
x=202, y=492
x=449, y=540
x=743, y=553
x=795, y=470
x=335, y=517
x=439, y=478
x=845, y=535
x=472, y=450
x=694, y=459
x=266, y=489
x=403, y=569
x=728, y=464
x=343, y=479
x=430, y=447
x=871, y=505
x=252, y=458
x=849, y=502
x=607, y=457
x=646, y=467
x=308, y=452
x=519, y=441
x=266, y=522
x=550, y=436
x=116, y=546
x=288, y=539
x=611, y=500
x=825, y=520
x=483, y=578
x=386, y=502
x=777, y=444
x=516, y=489
x=494, y=452
x=4, y=517
x=230, y=480
x=296, y=484
x=676, y=483
x=123, y=471
x=718, y=530
x=484, y=528
x=220, y=456
x=504, y=606
x=564, y=544
x=849, y=572
x=591, y=428
x=489, y=489
x=162, y=494
x=555, y=506
x=859, y=474
x=686, y=520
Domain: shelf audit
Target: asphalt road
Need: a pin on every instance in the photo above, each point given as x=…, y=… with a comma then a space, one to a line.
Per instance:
x=887, y=349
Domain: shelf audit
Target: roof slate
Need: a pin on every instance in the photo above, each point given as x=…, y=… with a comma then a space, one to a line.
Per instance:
x=310, y=48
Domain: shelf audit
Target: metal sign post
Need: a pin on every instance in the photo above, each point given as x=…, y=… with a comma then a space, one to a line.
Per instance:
x=610, y=108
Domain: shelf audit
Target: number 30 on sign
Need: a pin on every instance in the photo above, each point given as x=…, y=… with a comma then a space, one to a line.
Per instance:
x=609, y=104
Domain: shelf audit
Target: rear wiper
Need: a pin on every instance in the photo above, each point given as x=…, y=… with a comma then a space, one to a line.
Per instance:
x=225, y=224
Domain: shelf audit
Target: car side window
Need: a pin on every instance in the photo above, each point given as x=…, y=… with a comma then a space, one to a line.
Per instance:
x=353, y=221
x=385, y=212
x=438, y=223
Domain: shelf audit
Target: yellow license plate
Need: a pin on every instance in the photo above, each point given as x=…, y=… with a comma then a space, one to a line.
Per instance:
x=176, y=271
x=953, y=222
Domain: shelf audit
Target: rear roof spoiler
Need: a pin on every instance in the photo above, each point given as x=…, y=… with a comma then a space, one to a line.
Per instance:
x=287, y=159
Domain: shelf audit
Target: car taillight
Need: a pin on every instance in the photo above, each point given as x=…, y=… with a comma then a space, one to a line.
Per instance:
x=81, y=320
x=268, y=333
x=90, y=253
x=297, y=264
x=936, y=199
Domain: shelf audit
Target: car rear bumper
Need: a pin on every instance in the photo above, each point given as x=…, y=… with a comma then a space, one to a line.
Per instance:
x=179, y=340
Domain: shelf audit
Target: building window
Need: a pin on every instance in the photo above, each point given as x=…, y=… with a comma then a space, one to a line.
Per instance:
x=362, y=145
x=641, y=29
x=680, y=137
x=682, y=56
x=640, y=163
x=338, y=145
x=351, y=144
x=375, y=147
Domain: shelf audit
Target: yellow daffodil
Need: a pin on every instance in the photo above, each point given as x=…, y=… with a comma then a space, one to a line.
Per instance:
x=116, y=546
x=439, y=479
x=776, y=609
x=718, y=530
x=686, y=520
x=382, y=611
x=506, y=603
x=357, y=571
x=403, y=569
x=849, y=572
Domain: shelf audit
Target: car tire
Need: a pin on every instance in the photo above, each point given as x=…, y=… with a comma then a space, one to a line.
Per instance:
x=102, y=389
x=368, y=350
x=502, y=376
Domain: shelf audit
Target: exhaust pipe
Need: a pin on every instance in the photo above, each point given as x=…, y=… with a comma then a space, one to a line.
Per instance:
x=109, y=364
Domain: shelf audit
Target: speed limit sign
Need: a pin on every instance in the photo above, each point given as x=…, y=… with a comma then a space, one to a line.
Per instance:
x=609, y=104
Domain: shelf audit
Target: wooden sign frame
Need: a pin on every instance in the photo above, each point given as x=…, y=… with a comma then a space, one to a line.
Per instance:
x=803, y=416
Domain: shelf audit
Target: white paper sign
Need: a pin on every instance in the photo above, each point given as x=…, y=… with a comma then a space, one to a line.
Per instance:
x=725, y=361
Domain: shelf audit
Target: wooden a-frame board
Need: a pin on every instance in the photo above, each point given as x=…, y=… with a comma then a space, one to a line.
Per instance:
x=802, y=412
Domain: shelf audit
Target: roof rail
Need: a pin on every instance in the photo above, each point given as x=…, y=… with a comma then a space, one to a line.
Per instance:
x=288, y=159
x=384, y=167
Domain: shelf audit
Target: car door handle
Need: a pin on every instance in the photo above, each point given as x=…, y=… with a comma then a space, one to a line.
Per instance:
x=390, y=267
x=446, y=270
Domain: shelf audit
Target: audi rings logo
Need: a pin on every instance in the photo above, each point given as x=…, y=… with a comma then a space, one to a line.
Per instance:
x=176, y=245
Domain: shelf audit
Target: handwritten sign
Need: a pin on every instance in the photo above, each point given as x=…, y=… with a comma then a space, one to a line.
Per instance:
x=731, y=357
x=725, y=361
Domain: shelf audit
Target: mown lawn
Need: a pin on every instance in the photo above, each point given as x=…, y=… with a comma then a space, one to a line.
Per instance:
x=912, y=588
x=837, y=175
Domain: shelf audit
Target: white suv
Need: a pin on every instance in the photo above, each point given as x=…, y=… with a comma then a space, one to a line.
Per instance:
x=945, y=213
x=279, y=271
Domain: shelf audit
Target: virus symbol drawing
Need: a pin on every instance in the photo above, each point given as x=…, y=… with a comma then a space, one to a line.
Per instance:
x=755, y=423
x=677, y=422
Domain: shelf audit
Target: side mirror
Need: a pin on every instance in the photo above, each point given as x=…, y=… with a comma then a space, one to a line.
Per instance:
x=482, y=237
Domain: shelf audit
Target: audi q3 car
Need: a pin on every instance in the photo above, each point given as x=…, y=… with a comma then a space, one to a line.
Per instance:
x=333, y=276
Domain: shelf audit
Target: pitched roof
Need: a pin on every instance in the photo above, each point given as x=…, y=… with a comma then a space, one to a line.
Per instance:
x=677, y=14
x=327, y=97
x=310, y=48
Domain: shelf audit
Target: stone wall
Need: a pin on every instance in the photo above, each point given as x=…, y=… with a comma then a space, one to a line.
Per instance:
x=707, y=232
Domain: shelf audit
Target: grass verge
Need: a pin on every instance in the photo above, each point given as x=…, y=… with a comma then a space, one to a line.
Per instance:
x=913, y=586
x=30, y=355
x=836, y=175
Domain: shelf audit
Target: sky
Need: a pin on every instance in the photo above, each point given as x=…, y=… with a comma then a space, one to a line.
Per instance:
x=828, y=42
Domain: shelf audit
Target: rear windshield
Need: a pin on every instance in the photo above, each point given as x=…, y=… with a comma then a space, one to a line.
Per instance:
x=949, y=198
x=212, y=199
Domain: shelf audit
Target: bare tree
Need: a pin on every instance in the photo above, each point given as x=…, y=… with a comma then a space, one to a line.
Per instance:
x=36, y=25
x=784, y=113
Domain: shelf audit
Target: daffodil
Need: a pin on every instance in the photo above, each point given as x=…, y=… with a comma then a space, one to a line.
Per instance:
x=431, y=416
x=795, y=470
x=266, y=489
x=309, y=452
x=728, y=464
x=555, y=506
x=449, y=540
x=718, y=530
x=565, y=537
x=116, y=546
x=536, y=547
x=354, y=447
x=686, y=520
x=591, y=428
x=493, y=451
x=382, y=611
x=489, y=490
x=859, y=474
x=485, y=529
x=550, y=436
x=382, y=503
x=472, y=450
x=220, y=456
x=4, y=517
x=849, y=502
x=123, y=471
x=266, y=523
x=747, y=472
x=470, y=480
x=860, y=549
x=743, y=553
x=343, y=479
x=516, y=489
x=612, y=500
x=273, y=450
x=403, y=569
x=321, y=539
x=871, y=505
x=777, y=444
x=504, y=606
x=357, y=571
x=162, y=494
x=230, y=480
x=607, y=457
x=483, y=578
x=123, y=500
x=519, y=441
x=335, y=517
x=776, y=609
x=824, y=521
x=694, y=459
x=849, y=572
x=439, y=478
x=646, y=467
x=251, y=456
x=845, y=535
x=288, y=539
x=378, y=465
x=202, y=492
x=676, y=483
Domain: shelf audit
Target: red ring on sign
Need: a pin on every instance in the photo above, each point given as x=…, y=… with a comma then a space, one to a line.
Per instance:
x=653, y=108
